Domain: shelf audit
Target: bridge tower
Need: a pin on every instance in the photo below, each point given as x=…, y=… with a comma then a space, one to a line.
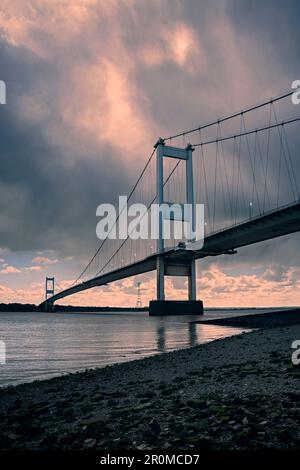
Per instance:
x=182, y=266
x=49, y=292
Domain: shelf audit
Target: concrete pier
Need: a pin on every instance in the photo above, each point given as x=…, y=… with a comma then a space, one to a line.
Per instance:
x=175, y=307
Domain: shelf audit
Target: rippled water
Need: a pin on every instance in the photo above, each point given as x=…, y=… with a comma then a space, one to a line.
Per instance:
x=43, y=345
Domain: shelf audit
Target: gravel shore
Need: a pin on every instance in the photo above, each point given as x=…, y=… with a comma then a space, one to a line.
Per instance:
x=236, y=393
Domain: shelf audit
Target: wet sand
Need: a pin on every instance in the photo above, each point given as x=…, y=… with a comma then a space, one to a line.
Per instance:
x=236, y=393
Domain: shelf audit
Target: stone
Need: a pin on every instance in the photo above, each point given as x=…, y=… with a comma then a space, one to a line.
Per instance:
x=155, y=426
x=89, y=443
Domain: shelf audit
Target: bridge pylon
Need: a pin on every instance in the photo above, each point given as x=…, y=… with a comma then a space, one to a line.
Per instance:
x=183, y=266
x=49, y=292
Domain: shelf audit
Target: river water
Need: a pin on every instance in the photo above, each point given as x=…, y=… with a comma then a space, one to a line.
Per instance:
x=44, y=345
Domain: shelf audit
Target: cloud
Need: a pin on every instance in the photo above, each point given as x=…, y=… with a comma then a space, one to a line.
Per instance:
x=33, y=268
x=10, y=270
x=44, y=260
x=103, y=102
x=31, y=294
x=216, y=287
x=27, y=24
x=177, y=43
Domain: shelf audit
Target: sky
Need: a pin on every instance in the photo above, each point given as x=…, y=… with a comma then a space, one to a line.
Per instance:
x=91, y=85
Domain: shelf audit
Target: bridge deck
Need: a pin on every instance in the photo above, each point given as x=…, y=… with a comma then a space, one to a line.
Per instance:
x=272, y=225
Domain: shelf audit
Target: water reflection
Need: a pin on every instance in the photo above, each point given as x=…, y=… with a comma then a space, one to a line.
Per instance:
x=161, y=338
x=42, y=345
x=188, y=330
x=193, y=338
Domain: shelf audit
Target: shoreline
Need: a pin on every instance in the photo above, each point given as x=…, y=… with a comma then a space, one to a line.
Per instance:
x=239, y=392
x=289, y=316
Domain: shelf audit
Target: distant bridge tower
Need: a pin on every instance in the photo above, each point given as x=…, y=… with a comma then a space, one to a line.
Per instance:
x=138, y=300
x=49, y=292
x=183, y=266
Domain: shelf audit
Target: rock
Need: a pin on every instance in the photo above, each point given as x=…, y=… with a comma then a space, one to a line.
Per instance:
x=293, y=396
x=204, y=443
x=146, y=394
x=31, y=430
x=155, y=426
x=111, y=402
x=68, y=438
x=167, y=391
x=216, y=409
x=89, y=443
x=97, y=397
x=143, y=406
x=197, y=404
x=242, y=438
x=166, y=445
x=141, y=447
x=12, y=436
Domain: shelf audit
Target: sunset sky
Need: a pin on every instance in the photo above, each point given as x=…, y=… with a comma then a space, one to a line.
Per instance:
x=91, y=85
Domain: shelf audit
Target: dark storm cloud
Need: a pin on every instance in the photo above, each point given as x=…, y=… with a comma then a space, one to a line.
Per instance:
x=274, y=23
x=46, y=203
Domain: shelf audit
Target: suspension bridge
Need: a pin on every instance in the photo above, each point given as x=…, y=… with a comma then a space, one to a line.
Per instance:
x=244, y=168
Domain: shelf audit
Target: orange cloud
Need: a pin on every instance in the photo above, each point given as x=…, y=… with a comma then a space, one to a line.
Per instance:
x=215, y=287
x=25, y=24
x=44, y=260
x=102, y=103
x=33, y=268
x=176, y=43
x=96, y=98
x=10, y=270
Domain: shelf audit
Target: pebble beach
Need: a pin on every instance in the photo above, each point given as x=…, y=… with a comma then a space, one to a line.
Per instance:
x=240, y=392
